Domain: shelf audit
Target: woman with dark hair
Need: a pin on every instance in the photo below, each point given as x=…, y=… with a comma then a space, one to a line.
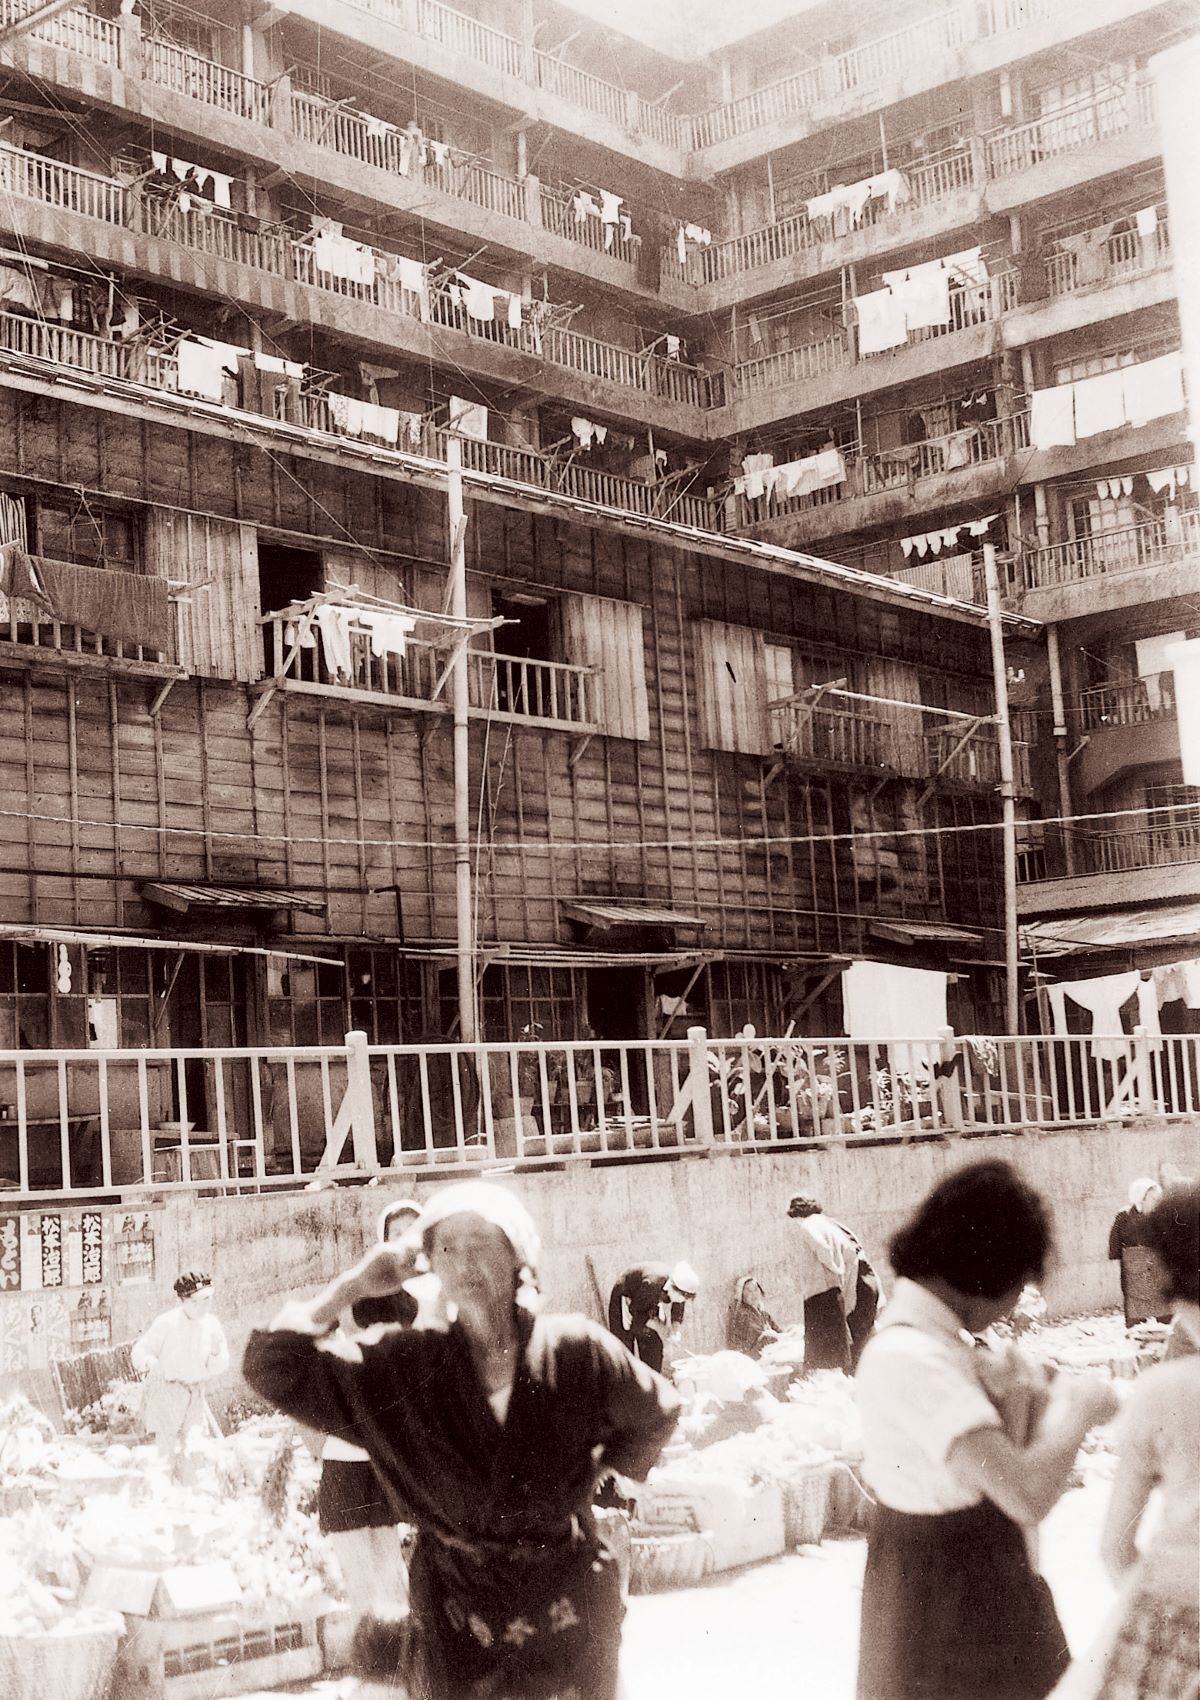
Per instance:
x=1128, y=1246
x=826, y=1268
x=179, y=1354
x=1152, y=1647
x=491, y=1425
x=952, y=1608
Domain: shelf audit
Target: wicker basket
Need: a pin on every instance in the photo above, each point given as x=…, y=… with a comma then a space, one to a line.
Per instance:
x=71, y=1664
x=806, y=1502
x=678, y=1558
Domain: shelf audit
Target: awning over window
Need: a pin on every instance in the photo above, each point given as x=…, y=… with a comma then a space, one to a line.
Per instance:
x=1071, y=934
x=935, y=932
x=607, y=916
x=191, y=899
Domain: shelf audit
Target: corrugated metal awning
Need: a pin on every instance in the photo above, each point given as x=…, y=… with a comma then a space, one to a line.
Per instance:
x=1070, y=934
x=600, y=913
x=184, y=899
x=909, y=932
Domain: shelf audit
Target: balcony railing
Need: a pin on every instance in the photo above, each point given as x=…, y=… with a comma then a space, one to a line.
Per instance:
x=187, y=73
x=888, y=55
x=793, y=365
x=94, y=1122
x=792, y=94
x=653, y=374
x=929, y=181
x=76, y=31
x=974, y=305
x=1171, y=538
x=1125, y=253
x=973, y=445
x=468, y=36
x=1126, y=850
x=974, y=760
x=1019, y=147
x=825, y=732
x=550, y=692
x=558, y=216
x=1132, y=702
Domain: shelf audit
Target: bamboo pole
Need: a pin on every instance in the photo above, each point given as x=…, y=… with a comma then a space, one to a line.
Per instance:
x=457, y=607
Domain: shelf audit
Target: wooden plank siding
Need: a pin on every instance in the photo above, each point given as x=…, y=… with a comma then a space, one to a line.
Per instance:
x=215, y=564
x=352, y=803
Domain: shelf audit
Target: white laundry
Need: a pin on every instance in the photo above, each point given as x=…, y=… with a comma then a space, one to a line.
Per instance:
x=891, y=186
x=977, y=527
x=1147, y=1016
x=479, y=299
x=375, y=126
x=1052, y=417
x=1165, y=478
x=610, y=207
x=755, y=468
x=203, y=366
x=333, y=622
x=514, y=312
x=1100, y=404
x=389, y=632
x=698, y=234
x=813, y=472
x=381, y=422
x=586, y=206
x=882, y=322
x=468, y=418
x=1153, y=388
x=340, y=257
x=1103, y=999
x=907, y=545
x=1147, y=221
x=1178, y=980
x=583, y=431
x=440, y=152
x=969, y=265
x=924, y=293
x=848, y=198
x=674, y=347
x=158, y=161
x=881, y=1000
x=347, y=414
x=273, y=363
x=1185, y=660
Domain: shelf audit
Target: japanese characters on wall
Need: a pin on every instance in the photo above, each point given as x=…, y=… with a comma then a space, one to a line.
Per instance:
x=58, y=1269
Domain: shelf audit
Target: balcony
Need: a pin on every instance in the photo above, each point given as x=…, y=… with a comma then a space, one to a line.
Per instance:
x=1107, y=554
x=558, y=216
x=1124, y=254
x=973, y=758
x=549, y=694
x=1129, y=850
x=809, y=733
x=897, y=473
x=1011, y=149
x=930, y=181
x=183, y=72
x=1135, y=702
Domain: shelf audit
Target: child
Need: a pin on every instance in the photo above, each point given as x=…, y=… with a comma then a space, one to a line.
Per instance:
x=180, y=1352
x=1155, y=1652
x=952, y=1606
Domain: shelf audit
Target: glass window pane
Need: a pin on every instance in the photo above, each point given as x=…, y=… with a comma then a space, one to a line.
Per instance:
x=331, y=979
x=333, y=1022
x=134, y=970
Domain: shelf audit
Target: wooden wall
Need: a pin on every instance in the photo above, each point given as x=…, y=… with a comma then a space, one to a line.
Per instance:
x=348, y=803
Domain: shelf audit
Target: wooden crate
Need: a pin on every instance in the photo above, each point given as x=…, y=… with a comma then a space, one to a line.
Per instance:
x=214, y=1656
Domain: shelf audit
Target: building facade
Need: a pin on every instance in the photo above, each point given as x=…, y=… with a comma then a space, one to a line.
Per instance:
x=747, y=358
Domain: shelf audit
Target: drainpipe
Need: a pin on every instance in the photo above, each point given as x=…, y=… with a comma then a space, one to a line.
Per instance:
x=1062, y=754
x=1008, y=793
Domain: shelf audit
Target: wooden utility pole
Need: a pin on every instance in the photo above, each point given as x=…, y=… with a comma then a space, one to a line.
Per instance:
x=456, y=605
x=1008, y=794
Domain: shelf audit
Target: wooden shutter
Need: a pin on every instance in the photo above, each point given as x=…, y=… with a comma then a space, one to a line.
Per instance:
x=899, y=681
x=731, y=668
x=219, y=636
x=607, y=635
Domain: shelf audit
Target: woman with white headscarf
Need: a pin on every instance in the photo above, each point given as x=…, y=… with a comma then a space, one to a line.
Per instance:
x=1129, y=1246
x=491, y=1428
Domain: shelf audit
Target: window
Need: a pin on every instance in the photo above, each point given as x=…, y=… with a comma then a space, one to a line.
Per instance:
x=732, y=688
x=306, y=1002
x=385, y=994
x=25, y=978
x=608, y=637
x=118, y=998
x=549, y=1000
x=88, y=535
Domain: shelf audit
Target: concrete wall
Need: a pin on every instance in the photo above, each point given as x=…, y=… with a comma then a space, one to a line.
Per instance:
x=727, y=1216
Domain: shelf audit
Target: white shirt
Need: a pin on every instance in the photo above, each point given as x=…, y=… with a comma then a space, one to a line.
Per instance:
x=182, y=1348
x=918, y=1393
x=824, y=1257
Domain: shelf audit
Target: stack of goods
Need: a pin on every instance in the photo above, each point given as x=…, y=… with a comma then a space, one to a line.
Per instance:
x=211, y=1587
x=751, y=1473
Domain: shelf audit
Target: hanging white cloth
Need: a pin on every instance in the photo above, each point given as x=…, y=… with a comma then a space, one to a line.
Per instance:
x=755, y=468
x=977, y=527
x=333, y=622
x=1103, y=999
x=1185, y=660
x=381, y=422
x=336, y=254
x=389, y=632
x=347, y=414
x=610, y=207
x=889, y=185
x=1147, y=221
x=273, y=363
x=906, y=546
x=585, y=206
x=1163, y=479
x=1052, y=417
x=969, y=266
x=468, y=418
x=413, y=277
x=882, y=1000
x=1153, y=388
x=479, y=299
x=1147, y=1016
x=924, y=293
x=203, y=365
x=882, y=323
x=1100, y=404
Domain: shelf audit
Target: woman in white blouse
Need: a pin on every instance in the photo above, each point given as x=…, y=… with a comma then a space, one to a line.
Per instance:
x=953, y=1608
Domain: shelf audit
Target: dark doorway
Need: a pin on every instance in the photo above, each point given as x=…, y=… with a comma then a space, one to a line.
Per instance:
x=531, y=637
x=285, y=575
x=616, y=1007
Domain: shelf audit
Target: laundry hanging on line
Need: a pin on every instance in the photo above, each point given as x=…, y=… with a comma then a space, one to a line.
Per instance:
x=1112, y=489
x=586, y=432
x=468, y=418
x=945, y=537
x=1128, y=395
x=203, y=366
x=340, y=256
x=201, y=177
x=1169, y=478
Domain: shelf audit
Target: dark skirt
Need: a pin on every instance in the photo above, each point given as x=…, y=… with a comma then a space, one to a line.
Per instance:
x=861, y=1321
x=350, y=1497
x=826, y=1336
x=952, y=1610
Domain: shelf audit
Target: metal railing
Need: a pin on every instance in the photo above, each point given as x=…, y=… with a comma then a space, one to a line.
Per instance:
x=825, y=732
x=558, y=216
x=1131, y=702
x=1171, y=538
x=547, y=691
x=1018, y=147
x=463, y=34
x=187, y=73
x=125, y=1122
x=1124, y=253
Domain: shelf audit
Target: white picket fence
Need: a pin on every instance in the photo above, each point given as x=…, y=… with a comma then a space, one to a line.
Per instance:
x=88, y=1123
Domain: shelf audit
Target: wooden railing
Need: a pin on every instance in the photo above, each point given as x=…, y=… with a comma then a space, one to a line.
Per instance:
x=122, y=1123
x=558, y=216
x=792, y=94
x=470, y=37
x=1129, y=849
x=972, y=445
x=219, y=86
x=828, y=732
x=972, y=306
x=548, y=692
x=68, y=187
x=653, y=374
x=1018, y=147
x=974, y=760
x=888, y=55
x=793, y=365
x=1131, y=702
x=75, y=31
x=1171, y=538
x=929, y=181
x=1126, y=253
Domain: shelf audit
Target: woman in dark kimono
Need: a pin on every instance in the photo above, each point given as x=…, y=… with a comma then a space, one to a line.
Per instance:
x=490, y=1431
x=1129, y=1246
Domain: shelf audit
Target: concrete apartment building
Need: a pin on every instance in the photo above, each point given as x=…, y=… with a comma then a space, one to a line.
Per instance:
x=728, y=486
